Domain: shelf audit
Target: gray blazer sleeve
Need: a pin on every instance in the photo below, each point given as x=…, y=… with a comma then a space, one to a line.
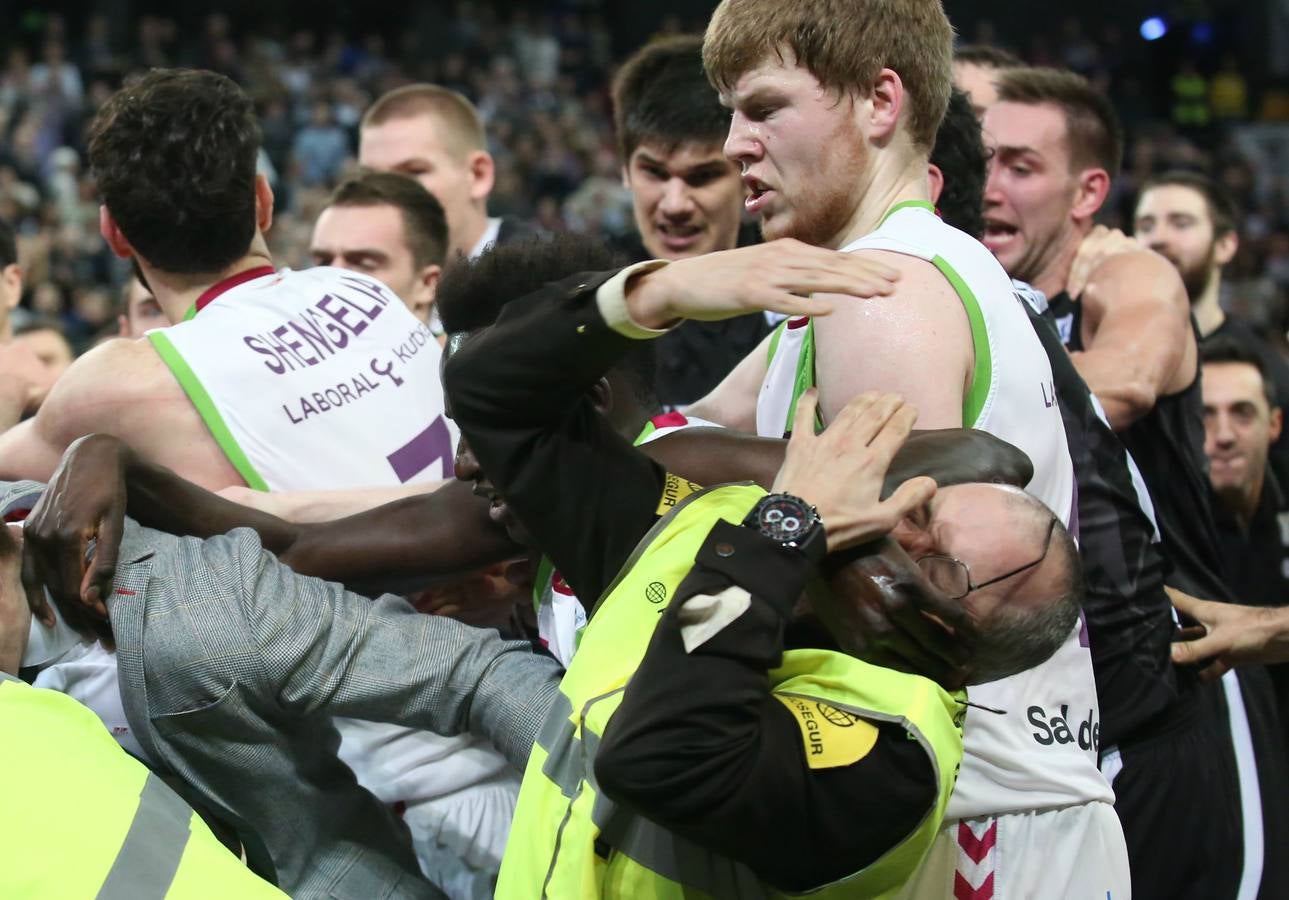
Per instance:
x=319, y=649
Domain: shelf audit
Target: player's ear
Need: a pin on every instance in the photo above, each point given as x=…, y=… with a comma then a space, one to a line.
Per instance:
x=483, y=174
x=1224, y=247
x=885, y=103
x=935, y=178
x=1090, y=193
x=601, y=395
x=263, y=203
x=112, y=233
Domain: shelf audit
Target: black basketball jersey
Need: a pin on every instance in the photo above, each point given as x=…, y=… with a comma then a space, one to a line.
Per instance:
x=1129, y=617
x=1168, y=446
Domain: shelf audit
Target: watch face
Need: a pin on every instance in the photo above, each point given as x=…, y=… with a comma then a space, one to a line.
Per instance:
x=784, y=518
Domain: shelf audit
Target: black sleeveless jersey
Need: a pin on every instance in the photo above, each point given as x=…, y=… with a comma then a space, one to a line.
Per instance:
x=1129, y=617
x=1168, y=445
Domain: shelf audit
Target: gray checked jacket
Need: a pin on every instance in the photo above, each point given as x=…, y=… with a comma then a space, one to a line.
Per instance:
x=232, y=665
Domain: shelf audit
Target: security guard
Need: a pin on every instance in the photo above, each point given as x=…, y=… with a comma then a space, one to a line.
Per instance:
x=85, y=819
x=708, y=740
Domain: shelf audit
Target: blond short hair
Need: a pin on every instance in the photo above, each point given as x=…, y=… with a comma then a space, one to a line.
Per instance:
x=464, y=126
x=844, y=44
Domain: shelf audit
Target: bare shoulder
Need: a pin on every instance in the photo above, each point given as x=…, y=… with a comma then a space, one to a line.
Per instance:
x=922, y=291
x=1135, y=286
x=109, y=386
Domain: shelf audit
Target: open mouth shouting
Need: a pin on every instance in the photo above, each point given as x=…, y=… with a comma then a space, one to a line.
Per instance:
x=999, y=234
x=677, y=237
x=759, y=194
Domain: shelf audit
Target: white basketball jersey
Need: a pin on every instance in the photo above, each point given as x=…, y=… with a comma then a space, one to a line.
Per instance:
x=313, y=380
x=319, y=380
x=1039, y=751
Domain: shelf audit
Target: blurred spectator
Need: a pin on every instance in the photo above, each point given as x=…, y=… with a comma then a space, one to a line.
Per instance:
x=320, y=148
x=436, y=136
x=1241, y=420
x=47, y=339
x=1191, y=221
x=975, y=68
x=140, y=311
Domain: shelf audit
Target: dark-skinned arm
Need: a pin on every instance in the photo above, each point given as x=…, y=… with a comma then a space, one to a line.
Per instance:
x=949, y=455
x=393, y=548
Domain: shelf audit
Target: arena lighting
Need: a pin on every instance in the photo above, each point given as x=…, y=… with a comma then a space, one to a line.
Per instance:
x=1154, y=28
x=1202, y=33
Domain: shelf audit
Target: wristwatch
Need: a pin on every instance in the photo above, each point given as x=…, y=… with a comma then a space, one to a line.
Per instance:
x=792, y=522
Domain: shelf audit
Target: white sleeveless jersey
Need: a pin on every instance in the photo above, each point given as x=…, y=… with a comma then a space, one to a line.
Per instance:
x=319, y=380
x=1040, y=751
x=560, y=615
x=313, y=380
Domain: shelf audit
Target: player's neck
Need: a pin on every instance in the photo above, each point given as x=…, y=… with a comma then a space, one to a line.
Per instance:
x=1053, y=275
x=471, y=232
x=898, y=181
x=176, y=294
x=1207, y=311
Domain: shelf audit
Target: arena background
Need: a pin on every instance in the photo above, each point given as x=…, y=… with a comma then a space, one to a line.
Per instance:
x=1198, y=84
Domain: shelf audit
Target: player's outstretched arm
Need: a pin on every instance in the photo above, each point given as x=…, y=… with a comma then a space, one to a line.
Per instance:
x=1136, y=323
x=781, y=276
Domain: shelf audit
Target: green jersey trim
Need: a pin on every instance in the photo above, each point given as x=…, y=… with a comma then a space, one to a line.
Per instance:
x=774, y=342
x=206, y=409
x=983, y=373
x=906, y=204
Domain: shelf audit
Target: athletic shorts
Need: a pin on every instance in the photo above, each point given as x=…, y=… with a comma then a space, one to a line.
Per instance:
x=1071, y=853
x=1177, y=793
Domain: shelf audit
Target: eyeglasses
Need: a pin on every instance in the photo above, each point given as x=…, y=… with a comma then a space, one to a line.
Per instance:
x=953, y=577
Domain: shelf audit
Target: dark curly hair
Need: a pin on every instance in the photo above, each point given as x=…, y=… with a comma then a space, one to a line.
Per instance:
x=473, y=293
x=173, y=154
x=959, y=154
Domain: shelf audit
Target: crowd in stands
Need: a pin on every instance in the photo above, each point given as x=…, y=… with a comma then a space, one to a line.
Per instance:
x=540, y=82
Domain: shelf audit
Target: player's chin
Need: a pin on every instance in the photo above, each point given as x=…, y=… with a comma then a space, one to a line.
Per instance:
x=778, y=225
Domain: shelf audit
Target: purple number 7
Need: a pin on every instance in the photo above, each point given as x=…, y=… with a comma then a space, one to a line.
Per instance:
x=424, y=450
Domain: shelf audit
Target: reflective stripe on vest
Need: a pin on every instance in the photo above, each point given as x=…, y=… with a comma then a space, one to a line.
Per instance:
x=69, y=784
x=567, y=825
x=146, y=864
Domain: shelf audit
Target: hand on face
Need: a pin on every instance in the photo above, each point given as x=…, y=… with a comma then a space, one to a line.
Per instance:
x=879, y=607
x=841, y=471
x=779, y=276
x=84, y=502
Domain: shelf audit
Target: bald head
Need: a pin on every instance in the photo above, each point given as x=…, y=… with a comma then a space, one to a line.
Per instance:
x=1013, y=562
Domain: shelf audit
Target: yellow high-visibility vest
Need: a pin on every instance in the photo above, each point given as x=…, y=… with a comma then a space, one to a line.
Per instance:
x=84, y=819
x=561, y=816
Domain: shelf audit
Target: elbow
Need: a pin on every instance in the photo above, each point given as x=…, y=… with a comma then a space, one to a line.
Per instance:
x=618, y=772
x=1130, y=402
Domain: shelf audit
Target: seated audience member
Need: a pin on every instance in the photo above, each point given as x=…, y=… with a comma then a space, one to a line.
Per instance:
x=686, y=196
x=140, y=311
x=387, y=226
x=1242, y=420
